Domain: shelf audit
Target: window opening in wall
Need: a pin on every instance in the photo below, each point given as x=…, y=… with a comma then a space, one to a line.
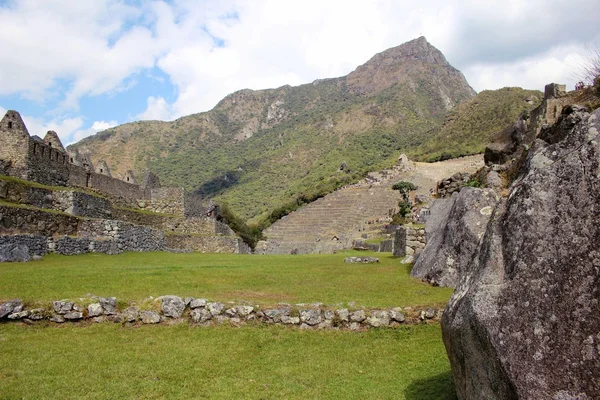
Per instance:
x=101, y=170
x=9, y=124
x=56, y=158
x=87, y=180
x=49, y=144
x=49, y=154
x=35, y=148
x=64, y=159
x=127, y=179
x=43, y=150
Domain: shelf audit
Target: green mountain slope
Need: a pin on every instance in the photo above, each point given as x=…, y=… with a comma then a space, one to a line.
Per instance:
x=470, y=126
x=260, y=150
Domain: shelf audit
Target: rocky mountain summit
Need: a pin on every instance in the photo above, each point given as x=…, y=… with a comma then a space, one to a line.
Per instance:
x=403, y=64
x=524, y=321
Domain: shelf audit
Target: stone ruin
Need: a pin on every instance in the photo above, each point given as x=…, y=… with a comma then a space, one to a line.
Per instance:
x=55, y=200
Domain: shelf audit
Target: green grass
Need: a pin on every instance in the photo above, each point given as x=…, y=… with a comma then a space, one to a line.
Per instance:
x=263, y=279
x=107, y=361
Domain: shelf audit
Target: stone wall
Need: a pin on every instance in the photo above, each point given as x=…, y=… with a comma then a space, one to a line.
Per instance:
x=47, y=165
x=123, y=192
x=197, y=225
x=37, y=245
x=69, y=201
x=21, y=220
x=415, y=240
x=128, y=237
x=203, y=312
x=82, y=204
x=193, y=207
x=14, y=144
x=207, y=244
x=165, y=200
x=156, y=221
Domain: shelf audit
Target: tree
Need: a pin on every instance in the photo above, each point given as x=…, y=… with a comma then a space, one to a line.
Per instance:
x=404, y=188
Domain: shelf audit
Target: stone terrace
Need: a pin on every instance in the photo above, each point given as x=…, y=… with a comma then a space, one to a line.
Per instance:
x=334, y=221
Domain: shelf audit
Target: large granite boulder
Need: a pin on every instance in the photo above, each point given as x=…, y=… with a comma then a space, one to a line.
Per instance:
x=524, y=321
x=454, y=229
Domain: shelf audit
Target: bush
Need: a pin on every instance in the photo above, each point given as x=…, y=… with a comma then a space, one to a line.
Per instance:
x=249, y=234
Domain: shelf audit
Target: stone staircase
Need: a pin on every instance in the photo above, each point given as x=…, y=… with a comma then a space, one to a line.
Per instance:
x=334, y=221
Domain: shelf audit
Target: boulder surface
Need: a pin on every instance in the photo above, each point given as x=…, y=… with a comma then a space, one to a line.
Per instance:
x=454, y=229
x=524, y=321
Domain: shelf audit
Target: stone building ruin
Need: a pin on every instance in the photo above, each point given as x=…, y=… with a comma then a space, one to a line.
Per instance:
x=40, y=178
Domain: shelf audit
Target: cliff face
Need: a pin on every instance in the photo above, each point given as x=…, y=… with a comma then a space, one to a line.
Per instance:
x=258, y=149
x=524, y=321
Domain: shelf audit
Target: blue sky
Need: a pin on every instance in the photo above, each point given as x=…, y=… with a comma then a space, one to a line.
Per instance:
x=79, y=67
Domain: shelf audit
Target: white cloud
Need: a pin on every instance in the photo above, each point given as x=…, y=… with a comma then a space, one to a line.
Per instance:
x=96, y=127
x=59, y=51
x=157, y=109
x=64, y=127
x=560, y=64
x=85, y=44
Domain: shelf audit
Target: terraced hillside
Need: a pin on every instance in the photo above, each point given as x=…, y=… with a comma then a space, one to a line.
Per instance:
x=334, y=221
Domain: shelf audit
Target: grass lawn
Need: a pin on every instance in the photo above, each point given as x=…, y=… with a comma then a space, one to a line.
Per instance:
x=108, y=361
x=262, y=279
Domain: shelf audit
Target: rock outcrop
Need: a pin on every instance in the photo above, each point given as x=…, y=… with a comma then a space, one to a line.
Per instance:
x=524, y=321
x=454, y=230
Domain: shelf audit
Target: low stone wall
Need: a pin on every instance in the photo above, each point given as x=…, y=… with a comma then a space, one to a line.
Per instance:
x=19, y=220
x=207, y=244
x=198, y=311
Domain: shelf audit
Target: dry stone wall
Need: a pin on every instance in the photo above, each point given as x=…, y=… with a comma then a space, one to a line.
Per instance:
x=37, y=245
x=203, y=312
x=128, y=237
x=23, y=220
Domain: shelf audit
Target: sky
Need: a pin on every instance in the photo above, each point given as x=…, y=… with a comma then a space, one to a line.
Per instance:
x=81, y=66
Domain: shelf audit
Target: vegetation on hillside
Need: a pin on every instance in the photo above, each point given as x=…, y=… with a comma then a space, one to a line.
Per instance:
x=266, y=152
x=470, y=126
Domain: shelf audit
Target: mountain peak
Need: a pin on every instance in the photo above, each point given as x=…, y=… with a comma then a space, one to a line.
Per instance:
x=404, y=64
x=418, y=49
